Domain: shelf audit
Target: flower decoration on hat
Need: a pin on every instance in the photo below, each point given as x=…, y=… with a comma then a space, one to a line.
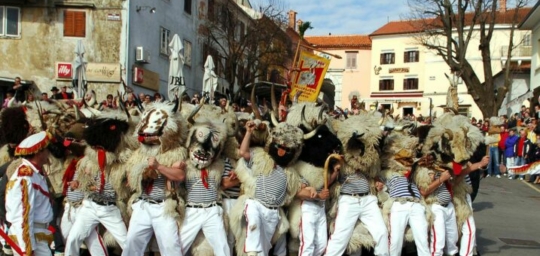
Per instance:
x=33, y=144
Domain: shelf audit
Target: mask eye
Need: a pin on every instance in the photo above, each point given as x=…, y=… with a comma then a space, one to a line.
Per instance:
x=319, y=136
x=200, y=134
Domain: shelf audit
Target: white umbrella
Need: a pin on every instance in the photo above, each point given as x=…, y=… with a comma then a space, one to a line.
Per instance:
x=79, y=74
x=210, y=80
x=176, y=64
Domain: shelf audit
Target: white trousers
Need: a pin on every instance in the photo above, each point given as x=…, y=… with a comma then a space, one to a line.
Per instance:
x=261, y=225
x=413, y=214
x=210, y=220
x=468, y=234
x=41, y=248
x=89, y=216
x=228, y=205
x=148, y=219
x=280, y=247
x=444, y=235
x=93, y=241
x=313, y=235
x=350, y=210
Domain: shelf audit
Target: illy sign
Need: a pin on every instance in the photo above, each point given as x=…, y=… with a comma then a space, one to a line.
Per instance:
x=64, y=70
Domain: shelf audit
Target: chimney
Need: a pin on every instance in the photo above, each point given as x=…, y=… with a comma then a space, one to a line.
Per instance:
x=292, y=19
x=502, y=5
x=298, y=24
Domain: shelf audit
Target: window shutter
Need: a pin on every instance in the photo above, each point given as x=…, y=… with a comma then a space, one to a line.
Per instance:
x=69, y=23
x=405, y=84
x=393, y=58
x=382, y=59
x=380, y=85
x=406, y=57
x=80, y=24
x=417, y=56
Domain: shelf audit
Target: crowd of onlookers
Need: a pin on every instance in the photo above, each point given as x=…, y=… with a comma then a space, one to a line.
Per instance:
x=515, y=142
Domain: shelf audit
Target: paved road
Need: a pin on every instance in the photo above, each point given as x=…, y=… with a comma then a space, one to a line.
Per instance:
x=508, y=209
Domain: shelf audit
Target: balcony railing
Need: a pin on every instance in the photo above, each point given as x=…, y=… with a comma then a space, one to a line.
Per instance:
x=519, y=51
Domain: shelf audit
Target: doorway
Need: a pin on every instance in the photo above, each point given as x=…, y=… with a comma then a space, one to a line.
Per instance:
x=408, y=112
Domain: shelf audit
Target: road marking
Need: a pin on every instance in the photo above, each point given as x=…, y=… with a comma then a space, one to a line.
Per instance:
x=531, y=185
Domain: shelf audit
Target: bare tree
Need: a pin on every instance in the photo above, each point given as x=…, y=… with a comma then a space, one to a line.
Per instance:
x=245, y=43
x=448, y=28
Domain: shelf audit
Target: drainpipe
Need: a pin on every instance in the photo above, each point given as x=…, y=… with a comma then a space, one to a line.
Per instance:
x=124, y=45
x=430, y=108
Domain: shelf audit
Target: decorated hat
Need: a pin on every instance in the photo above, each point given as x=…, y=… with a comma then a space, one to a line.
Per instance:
x=33, y=144
x=54, y=89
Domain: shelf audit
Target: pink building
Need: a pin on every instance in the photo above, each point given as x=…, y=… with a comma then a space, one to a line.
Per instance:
x=352, y=73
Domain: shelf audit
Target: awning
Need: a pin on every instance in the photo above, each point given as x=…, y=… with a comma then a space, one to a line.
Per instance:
x=12, y=80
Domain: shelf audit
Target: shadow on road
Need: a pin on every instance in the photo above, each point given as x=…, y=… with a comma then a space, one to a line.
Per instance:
x=482, y=242
x=482, y=206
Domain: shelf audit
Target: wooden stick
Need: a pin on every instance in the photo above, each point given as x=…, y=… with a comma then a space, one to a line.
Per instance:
x=325, y=175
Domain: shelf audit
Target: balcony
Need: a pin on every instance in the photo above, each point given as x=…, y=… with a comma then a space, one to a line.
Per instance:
x=519, y=52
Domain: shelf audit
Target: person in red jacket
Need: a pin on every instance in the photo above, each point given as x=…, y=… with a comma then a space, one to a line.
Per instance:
x=503, y=137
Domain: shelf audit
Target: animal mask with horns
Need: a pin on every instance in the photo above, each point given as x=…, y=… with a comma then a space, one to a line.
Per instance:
x=162, y=124
x=205, y=142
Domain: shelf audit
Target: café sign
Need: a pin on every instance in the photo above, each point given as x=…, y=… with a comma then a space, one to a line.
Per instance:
x=95, y=72
x=398, y=70
x=146, y=78
x=64, y=71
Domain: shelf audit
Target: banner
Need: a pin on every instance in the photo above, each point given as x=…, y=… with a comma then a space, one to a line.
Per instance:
x=309, y=77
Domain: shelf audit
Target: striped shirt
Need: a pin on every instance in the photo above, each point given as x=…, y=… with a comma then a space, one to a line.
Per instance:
x=305, y=182
x=107, y=195
x=355, y=183
x=232, y=191
x=158, y=189
x=271, y=189
x=468, y=179
x=76, y=195
x=198, y=194
x=399, y=187
x=443, y=195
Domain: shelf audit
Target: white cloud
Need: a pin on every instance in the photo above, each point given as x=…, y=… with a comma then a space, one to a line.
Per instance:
x=347, y=16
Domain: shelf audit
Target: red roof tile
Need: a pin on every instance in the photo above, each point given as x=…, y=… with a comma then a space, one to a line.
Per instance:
x=415, y=26
x=340, y=42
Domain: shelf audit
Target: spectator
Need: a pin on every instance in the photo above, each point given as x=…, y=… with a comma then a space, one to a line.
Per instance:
x=109, y=103
x=537, y=111
x=62, y=95
x=130, y=102
x=9, y=96
x=45, y=96
x=186, y=98
x=196, y=98
x=494, y=136
x=19, y=89
x=505, y=121
x=473, y=121
x=147, y=100
x=502, y=139
x=533, y=156
x=142, y=96
x=29, y=99
x=523, y=111
x=158, y=97
x=522, y=149
x=235, y=107
x=526, y=117
x=512, y=123
x=510, y=151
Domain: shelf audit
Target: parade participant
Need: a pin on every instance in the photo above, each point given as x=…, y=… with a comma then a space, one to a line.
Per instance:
x=155, y=205
x=355, y=198
x=73, y=195
x=231, y=191
x=28, y=203
x=269, y=182
x=107, y=147
x=404, y=207
x=203, y=176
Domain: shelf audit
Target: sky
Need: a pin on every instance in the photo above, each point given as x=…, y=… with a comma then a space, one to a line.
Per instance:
x=346, y=17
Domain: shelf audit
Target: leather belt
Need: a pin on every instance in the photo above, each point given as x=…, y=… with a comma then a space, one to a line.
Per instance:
x=103, y=203
x=444, y=205
x=202, y=205
x=407, y=199
x=355, y=195
x=151, y=201
x=41, y=225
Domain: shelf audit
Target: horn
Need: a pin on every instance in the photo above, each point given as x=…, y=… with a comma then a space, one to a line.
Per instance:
x=275, y=122
x=312, y=133
x=396, y=118
x=450, y=133
x=321, y=112
x=275, y=105
x=77, y=114
x=177, y=105
x=303, y=117
x=391, y=110
x=356, y=135
x=40, y=113
x=398, y=128
x=254, y=106
x=122, y=105
x=195, y=111
x=342, y=112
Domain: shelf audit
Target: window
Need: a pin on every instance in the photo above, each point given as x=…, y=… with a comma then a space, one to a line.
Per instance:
x=211, y=14
x=164, y=40
x=239, y=31
x=75, y=23
x=388, y=58
x=187, y=6
x=464, y=111
x=411, y=56
x=386, y=85
x=10, y=19
x=351, y=60
x=410, y=84
x=527, y=39
x=187, y=52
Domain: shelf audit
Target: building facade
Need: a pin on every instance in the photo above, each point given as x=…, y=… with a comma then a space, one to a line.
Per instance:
x=413, y=80
x=532, y=23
